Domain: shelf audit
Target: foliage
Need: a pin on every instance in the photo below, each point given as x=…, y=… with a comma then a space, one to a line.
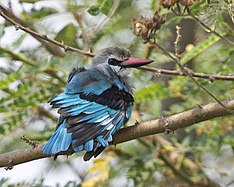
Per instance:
x=32, y=75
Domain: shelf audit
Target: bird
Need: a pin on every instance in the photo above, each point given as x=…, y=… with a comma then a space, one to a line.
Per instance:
x=95, y=103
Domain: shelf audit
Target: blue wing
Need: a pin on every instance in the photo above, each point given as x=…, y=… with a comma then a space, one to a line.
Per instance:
x=89, y=114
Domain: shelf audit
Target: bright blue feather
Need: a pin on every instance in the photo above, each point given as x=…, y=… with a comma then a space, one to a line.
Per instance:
x=78, y=148
x=88, y=146
x=91, y=81
x=102, y=141
x=128, y=112
x=60, y=141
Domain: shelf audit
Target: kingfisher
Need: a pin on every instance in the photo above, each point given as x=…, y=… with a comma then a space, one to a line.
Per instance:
x=95, y=104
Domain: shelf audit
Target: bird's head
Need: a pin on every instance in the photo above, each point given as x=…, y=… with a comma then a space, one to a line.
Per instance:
x=118, y=58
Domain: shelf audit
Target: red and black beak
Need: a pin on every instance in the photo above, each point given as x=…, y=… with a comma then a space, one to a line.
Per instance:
x=135, y=62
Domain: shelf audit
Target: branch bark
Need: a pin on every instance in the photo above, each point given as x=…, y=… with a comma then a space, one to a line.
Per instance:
x=211, y=77
x=166, y=124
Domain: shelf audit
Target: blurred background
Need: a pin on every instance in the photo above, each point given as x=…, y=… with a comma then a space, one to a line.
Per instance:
x=32, y=71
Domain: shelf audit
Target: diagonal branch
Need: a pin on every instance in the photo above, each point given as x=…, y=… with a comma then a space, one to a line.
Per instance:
x=166, y=124
x=208, y=28
x=43, y=36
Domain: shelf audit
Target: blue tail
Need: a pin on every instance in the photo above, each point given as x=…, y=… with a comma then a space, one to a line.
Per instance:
x=60, y=141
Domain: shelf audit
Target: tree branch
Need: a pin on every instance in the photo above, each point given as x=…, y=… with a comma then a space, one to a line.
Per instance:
x=211, y=77
x=43, y=36
x=172, y=123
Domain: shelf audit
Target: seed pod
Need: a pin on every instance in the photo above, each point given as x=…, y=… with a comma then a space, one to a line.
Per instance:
x=186, y=2
x=140, y=27
x=168, y=3
x=146, y=28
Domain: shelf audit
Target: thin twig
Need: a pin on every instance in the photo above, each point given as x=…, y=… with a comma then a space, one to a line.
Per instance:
x=208, y=28
x=178, y=37
x=211, y=77
x=29, y=142
x=178, y=172
x=45, y=37
x=176, y=60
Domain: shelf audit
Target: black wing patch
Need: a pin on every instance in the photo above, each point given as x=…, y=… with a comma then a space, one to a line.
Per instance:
x=114, y=98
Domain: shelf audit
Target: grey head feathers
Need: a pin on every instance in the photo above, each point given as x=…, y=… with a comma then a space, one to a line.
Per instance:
x=115, y=63
x=116, y=53
x=100, y=62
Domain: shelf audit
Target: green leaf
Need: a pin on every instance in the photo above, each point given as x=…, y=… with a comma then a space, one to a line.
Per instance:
x=154, y=4
x=153, y=91
x=68, y=35
x=229, y=141
x=19, y=41
x=13, y=121
x=24, y=89
x=212, y=39
x=8, y=80
x=102, y=6
x=2, y=30
x=37, y=13
x=94, y=10
x=219, y=60
x=106, y=6
x=31, y=99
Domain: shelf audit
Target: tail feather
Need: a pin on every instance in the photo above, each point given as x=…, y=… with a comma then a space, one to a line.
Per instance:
x=60, y=141
x=94, y=153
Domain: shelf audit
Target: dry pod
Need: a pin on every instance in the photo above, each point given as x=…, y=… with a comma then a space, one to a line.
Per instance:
x=186, y=2
x=147, y=27
x=168, y=3
x=140, y=26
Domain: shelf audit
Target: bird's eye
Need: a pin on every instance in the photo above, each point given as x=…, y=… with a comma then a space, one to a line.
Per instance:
x=113, y=61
